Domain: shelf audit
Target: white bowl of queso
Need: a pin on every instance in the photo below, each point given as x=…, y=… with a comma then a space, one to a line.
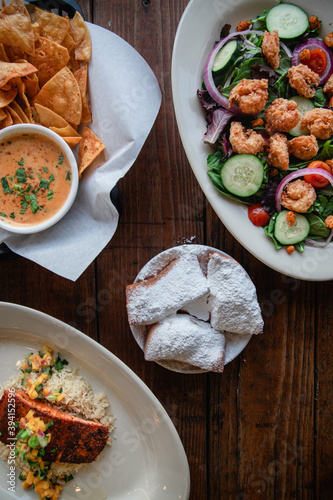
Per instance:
x=39, y=178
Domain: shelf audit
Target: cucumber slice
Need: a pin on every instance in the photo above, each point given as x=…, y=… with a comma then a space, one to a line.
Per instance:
x=242, y=175
x=303, y=104
x=290, y=20
x=290, y=235
x=225, y=56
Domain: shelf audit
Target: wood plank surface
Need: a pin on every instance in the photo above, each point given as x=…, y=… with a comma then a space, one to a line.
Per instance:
x=261, y=430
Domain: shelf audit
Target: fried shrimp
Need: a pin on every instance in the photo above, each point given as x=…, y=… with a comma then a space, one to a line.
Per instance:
x=278, y=155
x=303, y=79
x=298, y=196
x=304, y=147
x=328, y=87
x=319, y=122
x=245, y=141
x=282, y=115
x=271, y=48
x=250, y=95
x=328, y=40
x=329, y=221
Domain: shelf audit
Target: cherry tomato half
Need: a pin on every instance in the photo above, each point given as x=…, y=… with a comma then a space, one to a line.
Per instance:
x=258, y=215
x=317, y=61
x=317, y=180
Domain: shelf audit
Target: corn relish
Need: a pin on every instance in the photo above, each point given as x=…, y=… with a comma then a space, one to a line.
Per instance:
x=30, y=442
x=37, y=370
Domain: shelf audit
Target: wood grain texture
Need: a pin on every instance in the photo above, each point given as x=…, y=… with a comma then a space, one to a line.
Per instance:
x=261, y=430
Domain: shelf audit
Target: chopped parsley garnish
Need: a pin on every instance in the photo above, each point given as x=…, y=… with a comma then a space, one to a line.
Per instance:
x=24, y=206
x=3, y=215
x=68, y=176
x=34, y=206
x=47, y=369
x=21, y=176
x=12, y=215
x=44, y=183
x=21, y=162
x=45, y=169
x=61, y=159
x=5, y=186
x=59, y=363
x=50, y=195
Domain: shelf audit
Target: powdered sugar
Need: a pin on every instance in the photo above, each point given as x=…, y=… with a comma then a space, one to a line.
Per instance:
x=233, y=298
x=183, y=338
x=200, y=308
x=181, y=282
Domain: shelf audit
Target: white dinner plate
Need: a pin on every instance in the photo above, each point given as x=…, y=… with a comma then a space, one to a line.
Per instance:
x=198, y=30
x=146, y=460
x=234, y=343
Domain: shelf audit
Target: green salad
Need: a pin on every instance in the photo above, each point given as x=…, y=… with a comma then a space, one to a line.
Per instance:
x=268, y=97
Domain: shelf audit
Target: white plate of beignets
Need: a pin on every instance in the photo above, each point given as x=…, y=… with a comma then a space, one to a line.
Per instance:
x=193, y=309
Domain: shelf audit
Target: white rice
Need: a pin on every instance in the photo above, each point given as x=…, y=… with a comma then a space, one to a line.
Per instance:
x=79, y=400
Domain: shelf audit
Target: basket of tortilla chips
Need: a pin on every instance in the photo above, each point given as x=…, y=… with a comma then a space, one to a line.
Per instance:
x=44, y=61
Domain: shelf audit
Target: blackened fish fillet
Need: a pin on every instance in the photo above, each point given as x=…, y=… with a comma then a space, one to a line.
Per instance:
x=73, y=439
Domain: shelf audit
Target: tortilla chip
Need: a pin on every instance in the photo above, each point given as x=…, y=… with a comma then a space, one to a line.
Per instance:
x=11, y=70
x=16, y=107
x=89, y=148
x=73, y=64
x=68, y=42
x=81, y=76
x=49, y=118
x=81, y=38
x=2, y=115
x=15, y=27
x=67, y=131
x=16, y=118
x=3, y=54
x=49, y=58
x=72, y=141
x=7, y=121
x=6, y=97
x=51, y=26
x=62, y=95
x=23, y=101
x=31, y=83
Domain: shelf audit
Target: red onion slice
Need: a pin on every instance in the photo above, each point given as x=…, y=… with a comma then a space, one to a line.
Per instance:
x=208, y=75
x=313, y=43
x=296, y=175
x=316, y=243
x=286, y=49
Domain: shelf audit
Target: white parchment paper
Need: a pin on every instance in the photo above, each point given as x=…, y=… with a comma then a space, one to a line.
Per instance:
x=125, y=99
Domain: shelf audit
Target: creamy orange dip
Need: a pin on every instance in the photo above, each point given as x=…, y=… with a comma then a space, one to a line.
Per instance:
x=35, y=179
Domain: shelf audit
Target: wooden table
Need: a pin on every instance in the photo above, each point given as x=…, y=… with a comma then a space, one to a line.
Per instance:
x=261, y=430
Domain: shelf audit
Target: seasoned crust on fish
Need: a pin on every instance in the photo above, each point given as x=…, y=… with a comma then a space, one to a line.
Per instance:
x=74, y=439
